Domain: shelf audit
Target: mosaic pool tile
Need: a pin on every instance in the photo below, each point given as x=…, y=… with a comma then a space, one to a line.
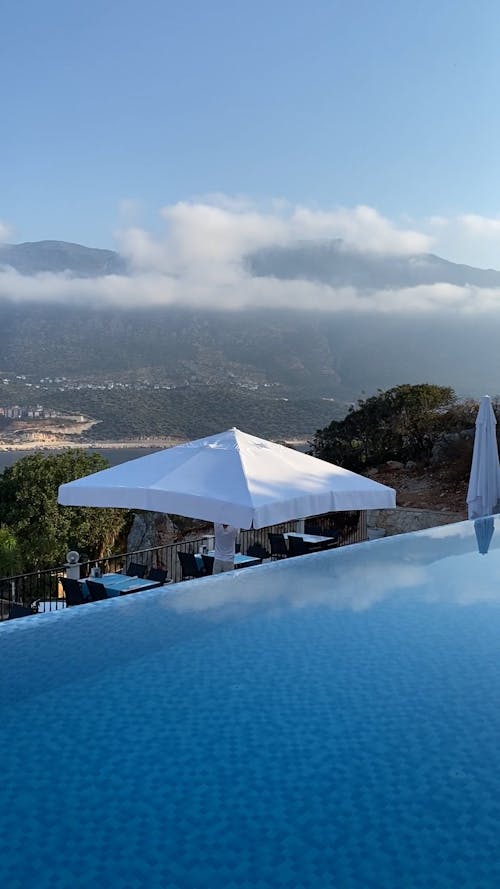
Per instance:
x=330, y=721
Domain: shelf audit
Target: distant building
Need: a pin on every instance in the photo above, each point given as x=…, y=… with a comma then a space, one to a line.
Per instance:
x=30, y=412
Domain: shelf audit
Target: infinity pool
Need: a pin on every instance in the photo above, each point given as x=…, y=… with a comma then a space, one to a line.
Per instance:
x=329, y=721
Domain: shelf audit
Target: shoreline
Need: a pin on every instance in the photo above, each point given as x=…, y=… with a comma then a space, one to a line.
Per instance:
x=51, y=445
x=58, y=445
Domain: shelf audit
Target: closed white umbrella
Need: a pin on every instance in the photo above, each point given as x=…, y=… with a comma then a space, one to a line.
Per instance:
x=483, y=494
x=484, y=528
x=232, y=477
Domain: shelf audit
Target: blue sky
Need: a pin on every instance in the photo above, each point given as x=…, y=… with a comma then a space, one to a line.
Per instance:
x=113, y=110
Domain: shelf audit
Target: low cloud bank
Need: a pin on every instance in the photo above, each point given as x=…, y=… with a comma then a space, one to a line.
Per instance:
x=5, y=232
x=200, y=261
x=238, y=291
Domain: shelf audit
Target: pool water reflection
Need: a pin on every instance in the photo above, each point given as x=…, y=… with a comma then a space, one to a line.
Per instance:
x=331, y=720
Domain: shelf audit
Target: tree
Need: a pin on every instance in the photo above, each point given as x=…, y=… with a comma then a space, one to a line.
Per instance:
x=10, y=556
x=399, y=424
x=44, y=530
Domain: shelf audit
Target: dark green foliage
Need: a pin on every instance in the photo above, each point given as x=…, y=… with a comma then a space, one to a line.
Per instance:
x=44, y=530
x=170, y=345
x=462, y=415
x=399, y=424
x=10, y=556
x=310, y=354
x=185, y=412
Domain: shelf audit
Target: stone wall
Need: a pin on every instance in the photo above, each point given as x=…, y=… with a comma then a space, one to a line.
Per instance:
x=403, y=519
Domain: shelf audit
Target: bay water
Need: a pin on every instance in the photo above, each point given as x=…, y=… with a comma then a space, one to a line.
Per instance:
x=114, y=456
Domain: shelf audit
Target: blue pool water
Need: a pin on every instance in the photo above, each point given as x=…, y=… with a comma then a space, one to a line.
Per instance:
x=331, y=721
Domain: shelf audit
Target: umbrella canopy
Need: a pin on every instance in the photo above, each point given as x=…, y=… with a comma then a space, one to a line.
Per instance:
x=233, y=478
x=484, y=482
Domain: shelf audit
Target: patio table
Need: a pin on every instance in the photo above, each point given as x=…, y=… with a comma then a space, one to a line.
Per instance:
x=117, y=584
x=313, y=541
x=240, y=559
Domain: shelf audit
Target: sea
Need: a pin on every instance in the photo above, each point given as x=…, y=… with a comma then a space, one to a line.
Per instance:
x=112, y=455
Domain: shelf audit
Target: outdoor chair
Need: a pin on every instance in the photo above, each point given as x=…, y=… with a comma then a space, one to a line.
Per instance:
x=324, y=530
x=208, y=563
x=72, y=592
x=157, y=574
x=278, y=546
x=97, y=591
x=297, y=547
x=17, y=610
x=258, y=551
x=136, y=569
x=189, y=566
x=314, y=529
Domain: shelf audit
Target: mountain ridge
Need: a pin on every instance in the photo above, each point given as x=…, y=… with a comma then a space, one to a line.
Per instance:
x=33, y=257
x=282, y=356
x=331, y=262
x=336, y=264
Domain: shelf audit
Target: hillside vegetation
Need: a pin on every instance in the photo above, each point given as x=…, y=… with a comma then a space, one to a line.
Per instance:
x=185, y=412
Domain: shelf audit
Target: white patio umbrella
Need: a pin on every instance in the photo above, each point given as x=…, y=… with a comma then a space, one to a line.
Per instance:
x=484, y=528
x=232, y=477
x=483, y=493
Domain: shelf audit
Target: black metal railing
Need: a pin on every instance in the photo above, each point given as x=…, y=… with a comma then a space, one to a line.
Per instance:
x=42, y=590
x=166, y=556
x=26, y=589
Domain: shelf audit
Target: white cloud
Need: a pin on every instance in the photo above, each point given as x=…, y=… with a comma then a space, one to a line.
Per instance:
x=202, y=235
x=480, y=225
x=467, y=238
x=361, y=227
x=6, y=231
x=200, y=260
x=238, y=291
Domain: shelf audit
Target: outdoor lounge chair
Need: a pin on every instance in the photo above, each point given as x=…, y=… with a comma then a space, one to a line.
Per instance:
x=278, y=546
x=189, y=566
x=136, y=569
x=158, y=574
x=72, y=592
x=97, y=591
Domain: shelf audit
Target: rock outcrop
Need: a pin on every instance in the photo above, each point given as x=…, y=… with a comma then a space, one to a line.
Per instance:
x=151, y=529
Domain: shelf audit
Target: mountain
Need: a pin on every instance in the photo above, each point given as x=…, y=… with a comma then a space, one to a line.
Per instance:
x=329, y=262
x=191, y=370
x=60, y=256
x=290, y=354
x=334, y=263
